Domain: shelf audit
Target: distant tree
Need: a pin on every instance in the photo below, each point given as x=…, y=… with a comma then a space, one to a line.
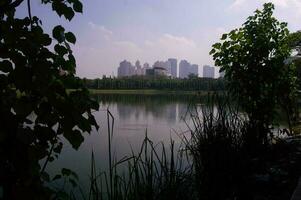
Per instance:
x=192, y=76
x=291, y=82
x=294, y=39
x=252, y=58
x=36, y=111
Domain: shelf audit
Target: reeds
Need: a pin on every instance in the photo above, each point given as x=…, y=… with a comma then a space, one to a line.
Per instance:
x=214, y=161
x=219, y=146
x=155, y=172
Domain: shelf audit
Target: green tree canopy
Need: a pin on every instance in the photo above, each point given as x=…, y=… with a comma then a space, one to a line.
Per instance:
x=294, y=39
x=253, y=60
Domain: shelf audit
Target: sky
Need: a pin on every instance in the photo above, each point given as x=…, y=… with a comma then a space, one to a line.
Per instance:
x=110, y=31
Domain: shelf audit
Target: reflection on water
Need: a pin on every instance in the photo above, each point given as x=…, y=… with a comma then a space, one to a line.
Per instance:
x=158, y=115
x=170, y=108
x=161, y=116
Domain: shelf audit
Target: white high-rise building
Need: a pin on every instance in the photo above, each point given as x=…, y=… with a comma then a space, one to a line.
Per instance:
x=138, y=68
x=165, y=65
x=185, y=69
x=194, y=70
x=125, y=69
x=174, y=67
x=208, y=71
x=168, y=68
x=145, y=67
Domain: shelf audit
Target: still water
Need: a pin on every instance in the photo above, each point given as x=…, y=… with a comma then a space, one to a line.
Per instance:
x=160, y=116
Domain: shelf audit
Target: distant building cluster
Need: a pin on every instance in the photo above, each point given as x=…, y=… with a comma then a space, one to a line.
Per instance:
x=159, y=68
x=167, y=68
x=186, y=69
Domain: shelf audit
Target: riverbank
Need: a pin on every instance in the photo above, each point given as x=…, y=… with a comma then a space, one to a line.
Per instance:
x=150, y=92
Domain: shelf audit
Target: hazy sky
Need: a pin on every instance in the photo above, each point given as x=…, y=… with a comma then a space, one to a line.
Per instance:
x=110, y=31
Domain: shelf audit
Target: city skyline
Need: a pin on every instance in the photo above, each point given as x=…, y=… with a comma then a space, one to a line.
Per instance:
x=109, y=31
x=171, y=66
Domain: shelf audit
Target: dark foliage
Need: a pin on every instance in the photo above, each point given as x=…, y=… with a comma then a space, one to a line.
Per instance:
x=35, y=109
x=253, y=58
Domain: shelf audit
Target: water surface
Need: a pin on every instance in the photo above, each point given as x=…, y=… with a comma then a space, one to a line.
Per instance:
x=161, y=117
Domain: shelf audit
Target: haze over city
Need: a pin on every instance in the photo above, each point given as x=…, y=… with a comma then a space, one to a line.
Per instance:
x=150, y=30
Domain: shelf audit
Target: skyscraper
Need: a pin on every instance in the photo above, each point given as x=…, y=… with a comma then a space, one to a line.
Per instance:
x=138, y=68
x=174, y=67
x=208, y=72
x=145, y=68
x=194, y=70
x=184, y=67
x=168, y=68
x=125, y=69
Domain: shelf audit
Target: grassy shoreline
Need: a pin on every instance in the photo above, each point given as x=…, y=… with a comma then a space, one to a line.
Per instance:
x=149, y=92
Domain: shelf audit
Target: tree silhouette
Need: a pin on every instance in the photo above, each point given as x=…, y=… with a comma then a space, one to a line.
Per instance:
x=36, y=111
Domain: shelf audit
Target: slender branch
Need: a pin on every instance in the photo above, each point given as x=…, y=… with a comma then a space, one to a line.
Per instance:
x=50, y=152
x=10, y=6
x=48, y=157
x=29, y=12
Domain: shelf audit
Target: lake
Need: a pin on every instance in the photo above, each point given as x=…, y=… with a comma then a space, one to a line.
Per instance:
x=160, y=116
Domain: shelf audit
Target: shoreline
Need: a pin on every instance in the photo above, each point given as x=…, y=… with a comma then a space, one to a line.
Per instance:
x=150, y=92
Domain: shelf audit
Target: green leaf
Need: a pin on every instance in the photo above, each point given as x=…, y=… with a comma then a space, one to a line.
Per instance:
x=74, y=137
x=78, y=6
x=58, y=33
x=6, y=66
x=224, y=36
x=61, y=50
x=72, y=59
x=70, y=37
x=217, y=45
x=68, y=13
x=212, y=51
x=46, y=40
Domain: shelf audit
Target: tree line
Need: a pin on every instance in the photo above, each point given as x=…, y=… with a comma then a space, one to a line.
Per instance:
x=159, y=83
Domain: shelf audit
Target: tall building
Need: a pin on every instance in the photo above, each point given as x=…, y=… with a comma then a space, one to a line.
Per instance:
x=208, y=72
x=125, y=69
x=145, y=68
x=165, y=65
x=185, y=69
x=138, y=68
x=168, y=68
x=174, y=67
x=194, y=70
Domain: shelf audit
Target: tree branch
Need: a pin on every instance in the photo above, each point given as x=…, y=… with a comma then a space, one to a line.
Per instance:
x=29, y=12
x=10, y=5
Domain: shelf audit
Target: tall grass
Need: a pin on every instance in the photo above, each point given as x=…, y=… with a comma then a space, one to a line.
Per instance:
x=216, y=145
x=217, y=160
x=155, y=172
